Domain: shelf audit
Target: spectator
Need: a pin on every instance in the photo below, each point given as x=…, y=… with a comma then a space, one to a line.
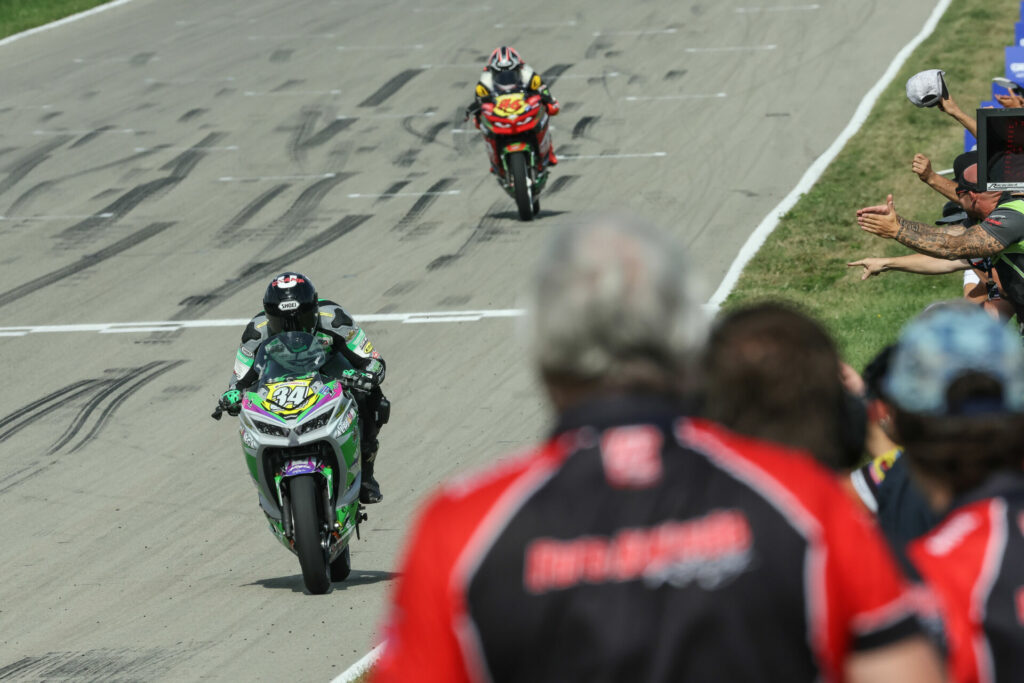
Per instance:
x=884, y=484
x=998, y=235
x=637, y=544
x=981, y=282
x=922, y=166
x=773, y=373
x=957, y=386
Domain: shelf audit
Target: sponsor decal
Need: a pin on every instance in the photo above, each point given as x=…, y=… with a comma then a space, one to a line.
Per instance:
x=632, y=456
x=1017, y=67
x=707, y=551
x=288, y=306
x=481, y=91
x=512, y=104
x=286, y=281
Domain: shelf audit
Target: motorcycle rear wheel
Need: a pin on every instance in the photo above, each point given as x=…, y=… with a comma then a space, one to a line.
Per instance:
x=308, y=534
x=521, y=185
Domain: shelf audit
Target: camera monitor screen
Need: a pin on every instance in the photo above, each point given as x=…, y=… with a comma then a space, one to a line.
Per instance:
x=1001, y=149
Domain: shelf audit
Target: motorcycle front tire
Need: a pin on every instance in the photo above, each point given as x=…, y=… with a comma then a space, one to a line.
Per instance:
x=342, y=566
x=521, y=185
x=308, y=534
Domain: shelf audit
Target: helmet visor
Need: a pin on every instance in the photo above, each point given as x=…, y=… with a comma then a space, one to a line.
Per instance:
x=302, y=320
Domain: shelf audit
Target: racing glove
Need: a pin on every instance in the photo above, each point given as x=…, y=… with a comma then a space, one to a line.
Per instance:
x=472, y=110
x=231, y=402
x=357, y=380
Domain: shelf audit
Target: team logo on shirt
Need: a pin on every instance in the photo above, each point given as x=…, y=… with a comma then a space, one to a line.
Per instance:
x=707, y=551
x=632, y=456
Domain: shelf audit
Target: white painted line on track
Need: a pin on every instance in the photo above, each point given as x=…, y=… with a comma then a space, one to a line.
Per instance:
x=66, y=20
x=358, y=195
x=638, y=98
x=811, y=176
x=454, y=8
x=637, y=32
x=641, y=155
x=361, y=667
x=83, y=131
x=790, y=8
x=733, y=48
x=948, y=171
x=175, y=325
x=417, y=46
x=253, y=179
x=55, y=218
x=290, y=93
x=610, y=74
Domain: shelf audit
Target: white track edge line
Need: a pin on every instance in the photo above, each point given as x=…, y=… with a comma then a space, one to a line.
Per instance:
x=65, y=20
x=813, y=174
x=361, y=667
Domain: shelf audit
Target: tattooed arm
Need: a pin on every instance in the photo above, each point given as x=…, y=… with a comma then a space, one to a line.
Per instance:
x=947, y=242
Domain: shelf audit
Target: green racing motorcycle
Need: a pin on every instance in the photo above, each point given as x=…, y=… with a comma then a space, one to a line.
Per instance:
x=300, y=439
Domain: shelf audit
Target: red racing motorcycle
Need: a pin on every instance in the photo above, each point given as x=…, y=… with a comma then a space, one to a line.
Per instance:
x=515, y=129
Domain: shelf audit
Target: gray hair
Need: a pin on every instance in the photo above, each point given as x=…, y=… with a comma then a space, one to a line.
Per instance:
x=611, y=300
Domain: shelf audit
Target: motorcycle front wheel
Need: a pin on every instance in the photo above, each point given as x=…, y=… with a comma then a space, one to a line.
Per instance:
x=308, y=534
x=521, y=185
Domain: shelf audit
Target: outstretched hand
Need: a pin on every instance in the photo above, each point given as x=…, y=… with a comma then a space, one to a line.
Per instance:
x=1010, y=101
x=871, y=266
x=879, y=220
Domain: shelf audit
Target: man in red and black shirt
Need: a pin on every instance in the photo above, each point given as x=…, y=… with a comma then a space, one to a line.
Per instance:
x=957, y=386
x=637, y=544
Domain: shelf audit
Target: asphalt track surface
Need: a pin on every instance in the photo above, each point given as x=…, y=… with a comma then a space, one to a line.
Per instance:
x=162, y=160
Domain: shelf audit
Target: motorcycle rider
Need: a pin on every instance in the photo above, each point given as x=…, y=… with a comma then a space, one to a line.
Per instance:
x=507, y=72
x=291, y=304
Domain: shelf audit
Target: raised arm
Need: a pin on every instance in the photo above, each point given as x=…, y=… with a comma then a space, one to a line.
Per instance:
x=922, y=166
x=944, y=242
x=950, y=107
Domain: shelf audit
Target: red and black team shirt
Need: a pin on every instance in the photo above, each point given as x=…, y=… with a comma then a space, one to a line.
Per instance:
x=637, y=545
x=974, y=564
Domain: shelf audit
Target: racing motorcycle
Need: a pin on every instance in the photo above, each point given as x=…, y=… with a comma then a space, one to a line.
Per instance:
x=300, y=439
x=516, y=131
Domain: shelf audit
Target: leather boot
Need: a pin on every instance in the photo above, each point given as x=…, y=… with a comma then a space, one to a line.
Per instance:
x=369, y=489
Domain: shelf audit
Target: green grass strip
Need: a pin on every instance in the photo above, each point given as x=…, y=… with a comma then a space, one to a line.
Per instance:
x=804, y=259
x=20, y=15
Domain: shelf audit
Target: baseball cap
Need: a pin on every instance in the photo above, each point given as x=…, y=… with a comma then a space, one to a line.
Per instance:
x=938, y=347
x=952, y=213
x=961, y=164
x=927, y=88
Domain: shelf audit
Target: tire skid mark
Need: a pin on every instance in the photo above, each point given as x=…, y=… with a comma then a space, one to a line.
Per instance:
x=487, y=229
x=89, y=137
x=394, y=188
x=135, y=383
x=180, y=166
x=554, y=72
x=560, y=183
x=108, y=393
x=191, y=114
x=582, y=126
x=393, y=85
x=28, y=195
x=83, y=263
x=250, y=210
x=306, y=137
x=27, y=162
x=300, y=213
x=263, y=270
x=431, y=134
x=424, y=203
x=98, y=665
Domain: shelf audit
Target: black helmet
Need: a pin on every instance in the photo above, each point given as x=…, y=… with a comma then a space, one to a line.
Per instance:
x=291, y=304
